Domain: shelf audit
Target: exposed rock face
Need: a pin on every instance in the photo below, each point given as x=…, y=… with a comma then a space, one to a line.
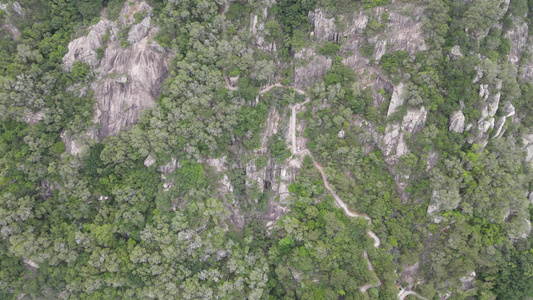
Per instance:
x=443, y=200
x=468, y=280
x=456, y=51
x=393, y=140
x=72, y=146
x=309, y=73
x=528, y=147
x=9, y=26
x=149, y=161
x=12, y=29
x=508, y=111
x=457, y=121
x=405, y=32
x=518, y=36
x=30, y=263
x=16, y=8
x=139, y=31
x=128, y=79
x=170, y=167
x=33, y=118
x=324, y=28
x=380, y=49
x=396, y=99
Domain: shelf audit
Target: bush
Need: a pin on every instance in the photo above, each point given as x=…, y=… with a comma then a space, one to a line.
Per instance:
x=80, y=71
x=89, y=9
x=260, y=162
x=367, y=50
x=328, y=49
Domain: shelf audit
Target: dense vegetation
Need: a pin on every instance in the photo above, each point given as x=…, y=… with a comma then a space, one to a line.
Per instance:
x=102, y=225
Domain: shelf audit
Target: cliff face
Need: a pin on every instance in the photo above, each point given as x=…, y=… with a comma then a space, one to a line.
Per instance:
x=402, y=31
x=129, y=67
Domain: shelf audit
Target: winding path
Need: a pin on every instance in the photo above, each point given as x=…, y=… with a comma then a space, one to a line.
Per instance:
x=295, y=151
x=403, y=294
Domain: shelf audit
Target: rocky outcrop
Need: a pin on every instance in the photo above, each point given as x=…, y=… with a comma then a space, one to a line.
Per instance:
x=394, y=145
x=17, y=8
x=518, y=36
x=73, y=146
x=457, y=122
x=128, y=79
x=456, y=51
x=508, y=111
x=149, y=161
x=528, y=148
x=9, y=9
x=397, y=99
x=405, y=31
x=307, y=74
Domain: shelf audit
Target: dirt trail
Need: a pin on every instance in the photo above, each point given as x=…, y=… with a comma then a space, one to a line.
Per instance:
x=338, y=200
x=295, y=151
x=403, y=294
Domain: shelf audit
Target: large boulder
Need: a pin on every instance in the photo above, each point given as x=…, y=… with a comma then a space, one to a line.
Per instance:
x=457, y=122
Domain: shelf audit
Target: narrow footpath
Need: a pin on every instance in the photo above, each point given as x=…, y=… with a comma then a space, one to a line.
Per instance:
x=295, y=151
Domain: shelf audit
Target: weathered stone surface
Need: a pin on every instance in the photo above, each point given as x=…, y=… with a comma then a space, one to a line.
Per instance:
x=32, y=118
x=484, y=91
x=139, y=31
x=30, y=263
x=324, y=28
x=127, y=80
x=405, y=32
x=414, y=120
x=12, y=29
x=457, y=121
x=16, y=8
x=170, y=167
x=149, y=161
x=508, y=111
x=528, y=147
x=493, y=104
x=83, y=48
x=72, y=146
x=518, y=36
x=396, y=99
x=456, y=51
x=306, y=75
x=380, y=49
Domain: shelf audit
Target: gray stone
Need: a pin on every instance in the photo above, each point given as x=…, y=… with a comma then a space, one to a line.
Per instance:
x=528, y=145
x=380, y=49
x=73, y=146
x=143, y=67
x=396, y=99
x=12, y=29
x=307, y=74
x=33, y=118
x=518, y=36
x=139, y=31
x=17, y=8
x=493, y=104
x=149, y=161
x=484, y=91
x=456, y=51
x=30, y=263
x=234, y=81
x=457, y=122
x=170, y=167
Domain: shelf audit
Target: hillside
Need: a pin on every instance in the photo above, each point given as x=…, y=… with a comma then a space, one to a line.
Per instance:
x=274, y=149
